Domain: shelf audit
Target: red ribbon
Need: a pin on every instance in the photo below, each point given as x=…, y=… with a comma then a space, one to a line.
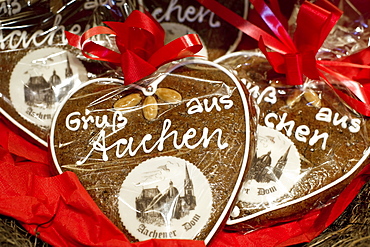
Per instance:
x=140, y=40
x=293, y=57
x=352, y=74
x=296, y=57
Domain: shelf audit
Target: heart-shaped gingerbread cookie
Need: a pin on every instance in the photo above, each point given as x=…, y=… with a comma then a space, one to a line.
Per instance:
x=37, y=66
x=164, y=158
x=310, y=145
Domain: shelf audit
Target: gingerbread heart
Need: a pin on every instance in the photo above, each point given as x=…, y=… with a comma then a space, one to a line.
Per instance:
x=38, y=67
x=163, y=158
x=310, y=145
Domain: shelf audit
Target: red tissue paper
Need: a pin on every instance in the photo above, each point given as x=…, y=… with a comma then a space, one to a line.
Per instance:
x=59, y=210
x=55, y=208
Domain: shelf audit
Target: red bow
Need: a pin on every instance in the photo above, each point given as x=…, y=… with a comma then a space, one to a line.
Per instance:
x=309, y=36
x=293, y=57
x=140, y=40
x=297, y=57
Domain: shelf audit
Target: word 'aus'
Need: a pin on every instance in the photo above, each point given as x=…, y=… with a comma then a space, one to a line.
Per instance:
x=196, y=106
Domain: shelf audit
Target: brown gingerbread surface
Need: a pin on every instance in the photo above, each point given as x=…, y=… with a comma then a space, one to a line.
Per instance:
x=331, y=142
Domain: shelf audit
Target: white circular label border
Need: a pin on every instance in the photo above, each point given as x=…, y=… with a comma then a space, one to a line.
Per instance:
x=275, y=169
x=29, y=95
x=165, y=197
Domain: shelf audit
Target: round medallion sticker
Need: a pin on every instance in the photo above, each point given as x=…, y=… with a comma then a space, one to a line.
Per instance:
x=165, y=197
x=41, y=80
x=275, y=169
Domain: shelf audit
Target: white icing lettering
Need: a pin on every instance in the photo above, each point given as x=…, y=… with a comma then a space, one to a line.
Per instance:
x=21, y=39
x=342, y=121
x=197, y=106
x=166, y=127
x=191, y=133
x=301, y=132
x=76, y=122
x=316, y=137
x=206, y=140
x=324, y=115
x=268, y=95
x=226, y=101
x=214, y=104
x=104, y=121
x=93, y=4
x=86, y=121
x=119, y=121
x=73, y=122
x=355, y=125
x=253, y=91
x=288, y=126
x=268, y=117
x=99, y=145
x=129, y=144
x=190, y=14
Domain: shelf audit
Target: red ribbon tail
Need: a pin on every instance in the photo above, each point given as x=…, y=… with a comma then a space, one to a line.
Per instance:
x=182, y=47
x=73, y=39
x=270, y=18
x=275, y=59
x=244, y=25
x=88, y=47
x=358, y=97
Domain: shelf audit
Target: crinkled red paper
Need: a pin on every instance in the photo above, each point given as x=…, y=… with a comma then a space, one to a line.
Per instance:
x=55, y=208
x=59, y=210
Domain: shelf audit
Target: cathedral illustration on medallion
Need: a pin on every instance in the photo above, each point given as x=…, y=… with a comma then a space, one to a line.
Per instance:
x=262, y=170
x=41, y=93
x=153, y=206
